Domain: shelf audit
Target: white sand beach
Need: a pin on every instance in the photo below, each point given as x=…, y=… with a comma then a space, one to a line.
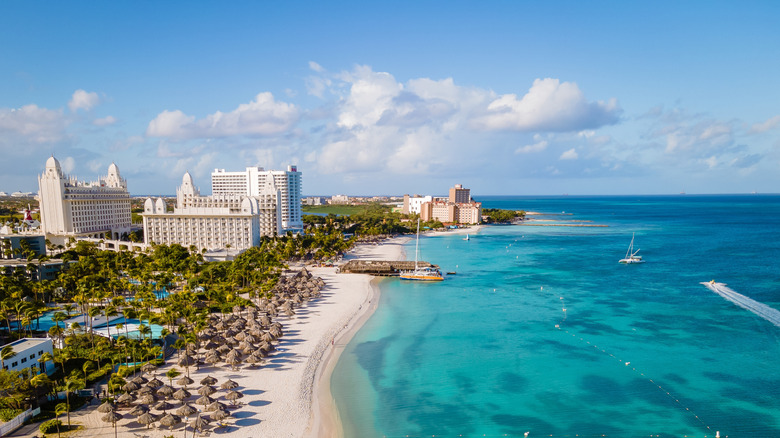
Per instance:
x=289, y=396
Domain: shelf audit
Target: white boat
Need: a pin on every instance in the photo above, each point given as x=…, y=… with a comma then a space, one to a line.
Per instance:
x=631, y=257
x=467, y=237
x=420, y=274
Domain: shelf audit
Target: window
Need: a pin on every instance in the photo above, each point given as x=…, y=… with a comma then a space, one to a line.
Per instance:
x=24, y=359
x=40, y=353
x=32, y=356
x=15, y=364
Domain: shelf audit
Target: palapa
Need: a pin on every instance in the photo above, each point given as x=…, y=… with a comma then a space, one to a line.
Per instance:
x=111, y=417
x=130, y=387
x=125, y=398
x=229, y=384
x=186, y=410
x=169, y=420
x=215, y=406
x=208, y=380
x=106, y=408
x=220, y=415
x=199, y=423
x=181, y=394
x=233, y=396
x=165, y=391
x=139, y=380
x=139, y=410
x=147, y=399
x=163, y=406
x=204, y=400
x=149, y=367
x=147, y=419
x=155, y=383
x=145, y=390
x=206, y=390
x=184, y=381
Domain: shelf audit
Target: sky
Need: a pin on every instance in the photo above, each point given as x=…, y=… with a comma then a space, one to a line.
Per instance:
x=386, y=98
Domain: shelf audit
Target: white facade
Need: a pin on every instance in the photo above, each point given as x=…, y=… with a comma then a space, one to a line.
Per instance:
x=254, y=180
x=412, y=204
x=213, y=222
x=75, y=208
x=28, y=350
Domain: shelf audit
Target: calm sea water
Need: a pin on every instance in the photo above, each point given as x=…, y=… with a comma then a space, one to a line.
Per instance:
x=641, y=350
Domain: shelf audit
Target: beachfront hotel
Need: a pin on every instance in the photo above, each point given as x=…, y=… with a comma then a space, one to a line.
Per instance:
x=254, y=180
x=70, y=207
x=413, y=204
x=223, y=220
x=27, y=351
x=458, y=208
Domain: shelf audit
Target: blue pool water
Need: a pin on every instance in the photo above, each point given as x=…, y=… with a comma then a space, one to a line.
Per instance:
x=640, y=350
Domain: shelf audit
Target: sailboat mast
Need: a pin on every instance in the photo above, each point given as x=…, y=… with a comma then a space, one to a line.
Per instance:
x=417, y=244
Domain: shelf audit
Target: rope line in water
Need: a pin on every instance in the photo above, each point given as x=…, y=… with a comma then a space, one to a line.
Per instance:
x=628, y=363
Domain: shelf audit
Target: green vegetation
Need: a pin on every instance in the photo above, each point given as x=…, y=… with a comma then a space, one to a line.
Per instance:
x=499, y=216
x=343, y=210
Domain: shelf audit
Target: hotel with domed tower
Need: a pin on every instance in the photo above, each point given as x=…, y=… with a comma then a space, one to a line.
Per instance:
x=74, y=208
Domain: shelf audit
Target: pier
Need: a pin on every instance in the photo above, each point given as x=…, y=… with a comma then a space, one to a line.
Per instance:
x=381, y=267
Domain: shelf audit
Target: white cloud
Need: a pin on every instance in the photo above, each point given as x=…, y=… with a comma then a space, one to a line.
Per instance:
x=316, y=67
x=67, y=164
x=32, y=124
x=83, y=100
x=105, y=121
x=261, y=117
x=767, y=125
x=571, y=154
x=549, y=105
x=536, y=147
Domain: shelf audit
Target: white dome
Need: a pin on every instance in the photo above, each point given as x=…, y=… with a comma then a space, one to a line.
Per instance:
x=52, y=163
x=113, y=170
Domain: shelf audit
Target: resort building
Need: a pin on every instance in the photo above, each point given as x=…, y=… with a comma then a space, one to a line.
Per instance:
x=254, y=181
x=220, y=221
x=70, y=207
x=458, y=208
x=14, y=245
x=412, y=204
x=27, y=351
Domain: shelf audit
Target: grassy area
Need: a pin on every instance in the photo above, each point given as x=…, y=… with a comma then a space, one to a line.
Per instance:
x=343, y=210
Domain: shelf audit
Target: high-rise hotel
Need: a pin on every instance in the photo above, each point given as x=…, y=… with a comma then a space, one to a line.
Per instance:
x=254, y=181
x=70, y=207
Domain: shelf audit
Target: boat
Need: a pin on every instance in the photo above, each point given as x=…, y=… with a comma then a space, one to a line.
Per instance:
x=467, y=237
x=631, y=257
x=420, y=274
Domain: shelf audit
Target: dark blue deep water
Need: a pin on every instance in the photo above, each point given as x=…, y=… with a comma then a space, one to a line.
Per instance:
x=641, y=350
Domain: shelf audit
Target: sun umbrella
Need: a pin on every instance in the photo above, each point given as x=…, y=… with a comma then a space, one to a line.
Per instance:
x=145, y=390
x=206, y=390
x=139, y=380
x=106, y=408
x=147, y=399
x=212, y=358
x=111, y=417
x=186, y=360
x=149, y=367
x=125, y=398
x=139, y=410
x=181, y=394
x=184, y=381
x=186, y=410
x=155, y=383
x=208, y=380
x=233, y=362
x=229, y=384
x=169, y=420
x=220, y=415
x=199, y=423
x=215, y=406
x=254, y=359
x=163, y=406
x=224, y=348
x=210, y=345
x=130, y=387
x=147, y=419
x=165, y=391
x=233, y=396
x=204, y=400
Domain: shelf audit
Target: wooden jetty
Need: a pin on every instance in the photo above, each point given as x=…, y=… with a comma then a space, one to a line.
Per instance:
x=381, y=267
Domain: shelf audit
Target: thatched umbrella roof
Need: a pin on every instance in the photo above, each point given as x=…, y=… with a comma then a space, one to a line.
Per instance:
x=212, y=357
x=233, y=354
x=163, y=406
x=145, y=390
x=130, y=386
x=139, y=410
x=186, y=360
x=139, y=380
x=204, y=400
x=267, y=337
x=155, y=383
x=165, y=391
x=125, y=398
x=147, y=419
x=199, y=423
x=169, y=420
x=181, y=394
x=229, y=384
x=147, y=399
x=220, y=415
x=184, y=381
x=223, y=349
x=254, y=359
x=206, y=390
x=210, y=345
x=111, y=417
x=186, y=410
x=215, y=406
x=208, y=380
x=149, y=367
x=233, y=361
x=106, y=408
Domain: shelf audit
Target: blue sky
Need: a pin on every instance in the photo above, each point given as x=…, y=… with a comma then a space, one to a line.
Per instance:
x=514, y=97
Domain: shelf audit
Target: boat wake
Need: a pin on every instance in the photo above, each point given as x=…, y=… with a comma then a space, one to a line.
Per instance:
x=762, y=310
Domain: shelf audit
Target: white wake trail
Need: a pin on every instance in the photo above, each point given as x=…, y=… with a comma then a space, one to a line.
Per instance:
x=762, y=310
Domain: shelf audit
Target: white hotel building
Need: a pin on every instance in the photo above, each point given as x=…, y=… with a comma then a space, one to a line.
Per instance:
x=254, y=180
x=27, y=351
x=83, y=209
x=213, y=222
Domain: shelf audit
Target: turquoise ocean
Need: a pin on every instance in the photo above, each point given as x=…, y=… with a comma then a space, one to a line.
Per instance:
x=640, y=350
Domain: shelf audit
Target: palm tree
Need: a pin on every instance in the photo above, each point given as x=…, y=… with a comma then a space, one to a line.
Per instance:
x=110, y=312
x=172, y=374
x=59, y=410
x=6, y=353
x=45, y=357
x=71, y=384
x=42, y=380
x=88, y=367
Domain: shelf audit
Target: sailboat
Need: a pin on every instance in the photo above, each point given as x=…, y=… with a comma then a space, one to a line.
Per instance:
x=467, y=237
x=420, y=274
x=631, y=256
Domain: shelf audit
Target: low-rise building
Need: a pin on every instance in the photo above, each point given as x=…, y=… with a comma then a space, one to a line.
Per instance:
x=27, y=351
x=457, y=208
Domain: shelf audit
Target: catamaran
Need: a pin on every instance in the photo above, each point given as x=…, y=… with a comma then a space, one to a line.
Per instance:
x=420, y=274
x=631, y=256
